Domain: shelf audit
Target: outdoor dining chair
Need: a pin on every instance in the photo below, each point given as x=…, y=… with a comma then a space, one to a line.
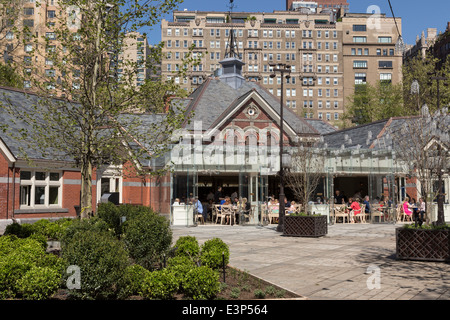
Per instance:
x=361, y=216
x=377, y=213
x=218, y=212
x=339, y=212
x=227, y=211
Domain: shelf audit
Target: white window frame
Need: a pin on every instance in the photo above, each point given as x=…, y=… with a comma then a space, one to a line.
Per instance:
x=33, y=183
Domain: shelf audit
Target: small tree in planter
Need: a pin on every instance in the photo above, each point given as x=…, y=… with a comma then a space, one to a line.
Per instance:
x=307, y=167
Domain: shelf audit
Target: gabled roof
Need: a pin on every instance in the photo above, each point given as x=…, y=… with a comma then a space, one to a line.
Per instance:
x=360, y=136
x=210, y=102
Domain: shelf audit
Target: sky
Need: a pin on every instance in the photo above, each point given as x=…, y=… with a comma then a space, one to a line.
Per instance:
x=416, y=15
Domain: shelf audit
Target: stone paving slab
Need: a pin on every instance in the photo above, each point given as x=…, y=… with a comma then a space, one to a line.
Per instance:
x=331, y=267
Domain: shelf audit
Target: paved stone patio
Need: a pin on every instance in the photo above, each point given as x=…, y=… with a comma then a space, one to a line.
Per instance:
x=337, y=266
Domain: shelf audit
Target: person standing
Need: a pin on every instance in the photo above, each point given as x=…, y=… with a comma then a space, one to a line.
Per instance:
x=218, y=196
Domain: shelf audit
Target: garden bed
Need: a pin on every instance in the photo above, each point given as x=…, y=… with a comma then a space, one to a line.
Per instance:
x=238, y=285
x=305, y=225
x=423, y=244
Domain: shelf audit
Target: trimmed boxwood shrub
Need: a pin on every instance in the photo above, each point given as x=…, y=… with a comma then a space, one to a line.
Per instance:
x=102, y=260
x=160, y=285
x=94, y=224
x=211, y=253
x=51, y=230
x=109, y=213
x=147, y=237
x=17, y=258
x=201, y=283
x=39, y=283
x=187, y=246
x=180, y=267
x=132, y=281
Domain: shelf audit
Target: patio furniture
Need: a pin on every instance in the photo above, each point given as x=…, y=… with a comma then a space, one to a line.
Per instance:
x=377, y=212
x=218, y=212
x=273, y=212
x=361, y=216
x=227, y=211
x=339, y=212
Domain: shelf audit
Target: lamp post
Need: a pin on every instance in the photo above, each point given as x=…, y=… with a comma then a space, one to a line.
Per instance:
x=282, y=69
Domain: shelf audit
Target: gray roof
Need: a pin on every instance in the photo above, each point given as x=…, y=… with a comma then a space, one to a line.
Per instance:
x=210, y=101
x=22, y=102
x=321, y=126
x=360, y=136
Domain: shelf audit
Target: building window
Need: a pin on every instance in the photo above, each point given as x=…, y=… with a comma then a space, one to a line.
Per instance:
x=385, y=64
x=359, y=27
x=51, y=14
x=386, y=77
x=360, y=78
x=359, y=39
x=359, y=64
x=384, y=39
x=40, y=189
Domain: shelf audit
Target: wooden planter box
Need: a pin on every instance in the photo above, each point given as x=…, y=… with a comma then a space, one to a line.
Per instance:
x=305, y=226
x=423, y=244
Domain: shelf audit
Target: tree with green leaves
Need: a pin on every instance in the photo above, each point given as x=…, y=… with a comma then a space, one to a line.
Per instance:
x=372, y=102
x=89, y=108
x=418, y=70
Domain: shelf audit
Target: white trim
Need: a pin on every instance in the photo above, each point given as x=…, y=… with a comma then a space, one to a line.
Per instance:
x=6, y=152
x=262, y=103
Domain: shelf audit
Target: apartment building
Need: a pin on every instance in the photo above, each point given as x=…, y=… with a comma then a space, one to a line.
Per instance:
x=42, y=18
x=328, y=56
x=136, y=50
x=369, y=50
x=311, y=44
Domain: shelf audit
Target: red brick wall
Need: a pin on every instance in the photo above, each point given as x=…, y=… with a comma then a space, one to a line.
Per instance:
x=153, y=191
x=7, y=195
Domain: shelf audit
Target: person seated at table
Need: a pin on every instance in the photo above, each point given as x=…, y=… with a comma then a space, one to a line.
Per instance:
x=421, y=211
x=246, y=208
x=367, y=203
x=407, y=207
x=356, y=209
x=176, y=202
x=287, y=203
x=348, y=205
x=292, y=208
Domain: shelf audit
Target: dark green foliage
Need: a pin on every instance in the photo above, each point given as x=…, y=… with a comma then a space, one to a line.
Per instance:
x=201, y=283
x=212, y=253
x=160, y=284
x=147, y=237
x=26, y=270
x=131, y=283
x=51, y=230
x=102, y=260
x=187, y=246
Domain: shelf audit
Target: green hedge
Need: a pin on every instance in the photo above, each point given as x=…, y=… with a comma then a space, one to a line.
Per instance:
x=187, y=246
x=201, y=283
x=102, y=260
x=51, y=230
x=26, y=270
x=147, y=238
x=213, y=252
x=160, y=284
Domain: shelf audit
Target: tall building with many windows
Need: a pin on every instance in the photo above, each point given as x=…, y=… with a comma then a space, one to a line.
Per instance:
x=369, y=50
x=329, y=54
